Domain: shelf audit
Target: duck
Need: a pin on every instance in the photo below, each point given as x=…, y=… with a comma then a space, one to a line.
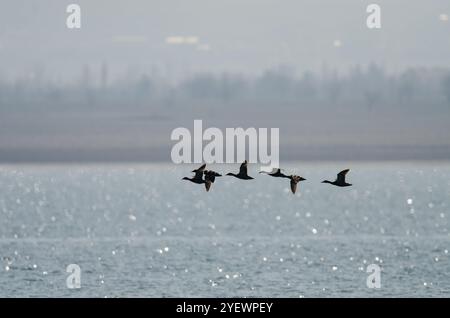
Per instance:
x=294, y=180
x=340, y=180
x=276, y=172
x=207, y=180
x=210, y=177
x=242, y=172
x=198, y=177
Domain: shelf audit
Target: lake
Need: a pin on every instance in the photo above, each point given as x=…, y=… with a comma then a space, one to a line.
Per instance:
x=138, y=230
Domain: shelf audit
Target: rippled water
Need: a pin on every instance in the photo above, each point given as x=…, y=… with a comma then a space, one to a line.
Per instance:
x=138, y=230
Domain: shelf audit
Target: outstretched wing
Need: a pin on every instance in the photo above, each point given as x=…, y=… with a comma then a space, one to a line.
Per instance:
x=274, y=170
x=208, y=185
x=293, y=185
x=243, y=168
x=201, y=168
x=341, y=176
x=199, y=172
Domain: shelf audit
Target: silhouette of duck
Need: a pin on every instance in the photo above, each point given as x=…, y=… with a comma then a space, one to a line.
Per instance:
x=340, y=180
x=294, y=180
x=210, y=177
x=198, y=177
x=275, y=173
x=242, y=172
x=208, y=180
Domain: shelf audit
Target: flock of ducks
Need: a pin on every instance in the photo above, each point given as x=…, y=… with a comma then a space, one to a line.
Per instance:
x=207, y=177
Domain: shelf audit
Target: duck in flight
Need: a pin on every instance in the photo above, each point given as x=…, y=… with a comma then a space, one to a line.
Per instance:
x=198, y=177
x=275, y=173
x=294, y=180
x=242, y=172
x=340, y=180
x=209, y=177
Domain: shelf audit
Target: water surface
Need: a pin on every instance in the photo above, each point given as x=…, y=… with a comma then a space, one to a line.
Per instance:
x=139, y=231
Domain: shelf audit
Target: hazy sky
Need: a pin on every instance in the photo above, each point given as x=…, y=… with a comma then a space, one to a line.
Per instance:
x=245, y=36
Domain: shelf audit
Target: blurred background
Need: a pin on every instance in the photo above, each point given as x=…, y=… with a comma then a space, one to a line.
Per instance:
x=116, y=88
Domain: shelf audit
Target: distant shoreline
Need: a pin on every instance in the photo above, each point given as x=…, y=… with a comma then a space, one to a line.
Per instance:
x=288, y=153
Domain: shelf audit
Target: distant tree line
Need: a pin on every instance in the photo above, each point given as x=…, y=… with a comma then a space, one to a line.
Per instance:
x=369, y=87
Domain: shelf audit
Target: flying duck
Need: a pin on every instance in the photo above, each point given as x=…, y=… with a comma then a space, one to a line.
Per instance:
x=294, y=180
x=208, y=180
x=198, y=177
x=340, y=180
x=210, y=177
x=242, y=172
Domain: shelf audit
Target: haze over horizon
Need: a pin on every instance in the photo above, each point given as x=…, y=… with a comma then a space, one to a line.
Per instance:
x=245, y=37
x=116, y=88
